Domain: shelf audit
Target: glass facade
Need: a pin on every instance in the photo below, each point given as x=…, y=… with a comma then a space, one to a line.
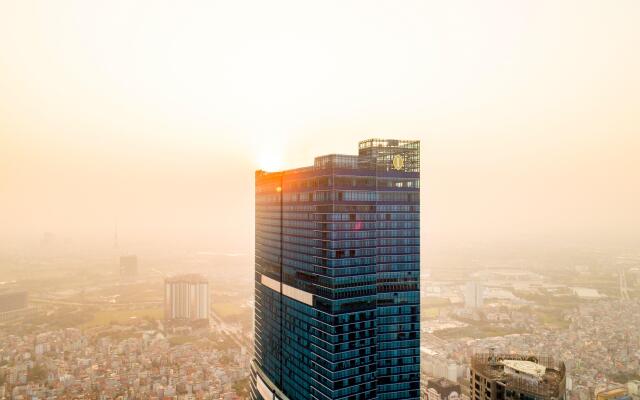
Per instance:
x=337, y=285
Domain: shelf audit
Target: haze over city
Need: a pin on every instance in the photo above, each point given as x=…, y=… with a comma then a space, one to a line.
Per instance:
x=336, y=200
x=157, y=114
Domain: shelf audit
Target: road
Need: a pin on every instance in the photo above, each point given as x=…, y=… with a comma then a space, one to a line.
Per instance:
x=227, y=330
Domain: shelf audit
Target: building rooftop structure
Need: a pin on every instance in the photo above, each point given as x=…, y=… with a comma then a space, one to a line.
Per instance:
x=525, y=367
x=192, y=278
x=445, y=389
x=380, y=154
x=618, y=392
x=443, y=383
x=541, y=376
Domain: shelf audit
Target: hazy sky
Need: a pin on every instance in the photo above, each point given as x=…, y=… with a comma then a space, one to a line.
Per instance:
x=157, y=113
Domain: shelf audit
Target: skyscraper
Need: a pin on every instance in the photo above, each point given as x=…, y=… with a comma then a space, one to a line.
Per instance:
x=186, y=298
x=337, y=265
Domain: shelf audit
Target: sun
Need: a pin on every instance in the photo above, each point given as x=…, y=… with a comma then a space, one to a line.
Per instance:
x=270, y=143
x=270, y=161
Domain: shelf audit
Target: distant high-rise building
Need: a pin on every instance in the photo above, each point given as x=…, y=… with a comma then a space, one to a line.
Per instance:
x=186, y=298
x=337, y=277
x=516, y=377
x=128, y=266
x=473, y=295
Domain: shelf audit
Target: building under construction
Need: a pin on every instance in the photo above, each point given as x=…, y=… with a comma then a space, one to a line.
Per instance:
x=516, y=377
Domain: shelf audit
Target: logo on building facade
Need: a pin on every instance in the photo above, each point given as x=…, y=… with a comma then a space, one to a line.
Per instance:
x=398, y=162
